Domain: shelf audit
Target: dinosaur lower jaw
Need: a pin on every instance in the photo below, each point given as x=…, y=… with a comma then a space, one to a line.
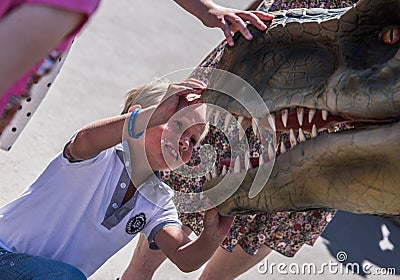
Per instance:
x=345, y=170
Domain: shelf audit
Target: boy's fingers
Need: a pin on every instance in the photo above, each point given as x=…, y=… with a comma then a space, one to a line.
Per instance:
x=193, y=83
x=195, y=101
x=190, y=86
x=197, y=82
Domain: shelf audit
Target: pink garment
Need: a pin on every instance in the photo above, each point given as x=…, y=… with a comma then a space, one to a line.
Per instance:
x=87, y=7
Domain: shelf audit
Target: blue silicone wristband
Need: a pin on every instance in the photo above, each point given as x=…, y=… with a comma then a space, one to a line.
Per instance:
x=131, y=124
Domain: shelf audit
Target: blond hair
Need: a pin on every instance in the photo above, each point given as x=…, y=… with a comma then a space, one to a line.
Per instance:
x=146, y=95
x=149, y=95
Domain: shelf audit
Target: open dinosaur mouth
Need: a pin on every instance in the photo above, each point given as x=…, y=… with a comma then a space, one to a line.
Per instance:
x=294, y=126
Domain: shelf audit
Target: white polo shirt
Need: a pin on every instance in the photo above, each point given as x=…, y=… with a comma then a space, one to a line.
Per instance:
x=73, y=212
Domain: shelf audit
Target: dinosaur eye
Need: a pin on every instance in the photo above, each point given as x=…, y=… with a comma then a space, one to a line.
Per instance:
x=390, y=35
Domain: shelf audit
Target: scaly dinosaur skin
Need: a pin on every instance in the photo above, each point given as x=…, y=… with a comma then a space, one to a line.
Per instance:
x=345, y=62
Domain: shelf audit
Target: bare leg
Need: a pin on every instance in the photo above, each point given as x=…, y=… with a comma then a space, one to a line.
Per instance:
x=224, y=265
x=145, y=261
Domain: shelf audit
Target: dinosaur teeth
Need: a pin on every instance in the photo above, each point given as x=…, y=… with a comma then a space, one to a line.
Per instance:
x=247, y=163
x=241, y=130
x=261, y=160
x=311, y=115
x=214, y=172
x=210, y=112
x=254, y=125
x=271, y=121
x=228, y=119
x=285, y=116
x=314, y=131
x=237, y=167
x=216, y=117
x=271, y=151
x=282, y=148
x=223, y=172
x=324, y=115
x=293, y=141
x=300, y=115
x=302, y=137
x=208, y=176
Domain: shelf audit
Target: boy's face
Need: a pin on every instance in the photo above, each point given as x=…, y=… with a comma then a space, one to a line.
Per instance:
x=170, y=145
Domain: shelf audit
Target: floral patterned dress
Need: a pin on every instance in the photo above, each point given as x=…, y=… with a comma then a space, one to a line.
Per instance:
x=284, y=232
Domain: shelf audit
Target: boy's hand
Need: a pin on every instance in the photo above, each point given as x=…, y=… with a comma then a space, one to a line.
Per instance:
x=216, y=225
x=176, y=99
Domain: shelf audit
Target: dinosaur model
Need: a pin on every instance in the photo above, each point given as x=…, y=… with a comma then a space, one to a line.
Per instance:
x=331, y=82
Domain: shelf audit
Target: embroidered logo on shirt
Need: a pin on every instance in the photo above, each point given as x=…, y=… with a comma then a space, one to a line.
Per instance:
x=136, y=224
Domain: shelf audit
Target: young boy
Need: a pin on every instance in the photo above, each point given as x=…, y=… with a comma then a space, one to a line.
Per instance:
x=84, y=207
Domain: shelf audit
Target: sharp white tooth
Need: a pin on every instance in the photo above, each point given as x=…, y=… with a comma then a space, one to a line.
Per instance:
x=242, y=91
x=210, y=112
x=228, y=119
x=285, y=116
x=314, y=131
x=271, y=151
x=237, y=167
x=293, y=141
x=302, y=137
x=241, y=129
x=271, y=121
x=247, y=163
x=311, y=115
x=324, y=115
x=214, y=172
x=216, y=117
x=283, y=148
x=261, y=160
x=300, y=115
x=223, y=172
x=254, y=125
x=208, y=176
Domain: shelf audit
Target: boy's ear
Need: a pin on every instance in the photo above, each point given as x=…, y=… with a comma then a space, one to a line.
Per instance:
x=134, y=107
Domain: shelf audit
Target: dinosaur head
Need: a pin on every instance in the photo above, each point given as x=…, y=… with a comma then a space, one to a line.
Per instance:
x=331, y=82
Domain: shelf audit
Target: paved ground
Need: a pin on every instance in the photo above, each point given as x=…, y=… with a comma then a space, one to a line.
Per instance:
x=128, y=43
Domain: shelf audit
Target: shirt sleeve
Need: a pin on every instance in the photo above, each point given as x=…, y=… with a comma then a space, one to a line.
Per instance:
x=164, y=216
x=86, y=7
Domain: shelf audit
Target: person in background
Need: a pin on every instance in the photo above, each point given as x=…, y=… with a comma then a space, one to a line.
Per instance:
x=31, y=46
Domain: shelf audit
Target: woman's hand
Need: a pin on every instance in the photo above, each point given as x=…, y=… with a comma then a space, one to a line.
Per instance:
x=232, y=20
x=227, y=19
